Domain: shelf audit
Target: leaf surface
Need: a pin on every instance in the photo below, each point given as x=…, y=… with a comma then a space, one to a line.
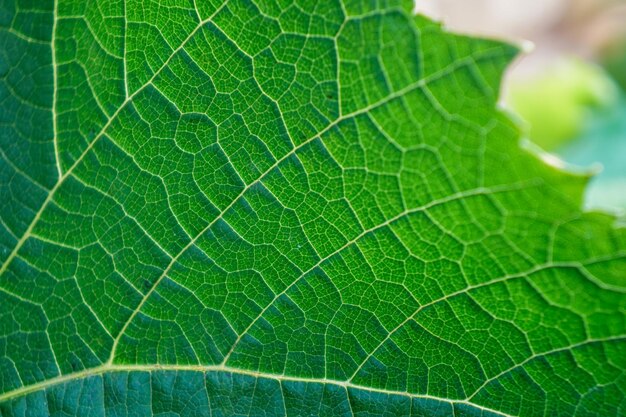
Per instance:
x=278, y=208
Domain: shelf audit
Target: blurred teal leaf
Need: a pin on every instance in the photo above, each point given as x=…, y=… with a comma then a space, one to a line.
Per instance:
x=603, y=141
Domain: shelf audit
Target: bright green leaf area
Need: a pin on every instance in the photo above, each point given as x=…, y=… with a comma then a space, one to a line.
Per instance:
x=278, y=208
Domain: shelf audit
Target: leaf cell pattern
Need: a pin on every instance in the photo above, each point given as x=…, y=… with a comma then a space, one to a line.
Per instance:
x=287, y=208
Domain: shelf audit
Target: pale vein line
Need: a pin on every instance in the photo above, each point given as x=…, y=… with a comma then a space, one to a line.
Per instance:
x=412, y=87
x=92, y=32
x=26, y=100
x=109, y=368
x=114, y=368
x=465, y=290
x=22, y=173
x=568, y=348
x=256, y=81
x=19, y=297
x=399, y=93
x=349, y=402
x=55, y=76
x=92, y=89
x=127, y=215
x=22, y=36
x=100, y=134
x=550, y=265
x=403, y=214
x=125, y=69
x=338, y=58
x=418, y=85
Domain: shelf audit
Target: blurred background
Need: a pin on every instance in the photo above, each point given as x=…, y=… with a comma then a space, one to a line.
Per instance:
x=570, y=90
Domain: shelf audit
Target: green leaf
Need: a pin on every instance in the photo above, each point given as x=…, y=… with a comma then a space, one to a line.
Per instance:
x=310, y=208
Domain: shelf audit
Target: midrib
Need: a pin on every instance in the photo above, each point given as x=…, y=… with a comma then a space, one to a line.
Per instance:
x=111, y=368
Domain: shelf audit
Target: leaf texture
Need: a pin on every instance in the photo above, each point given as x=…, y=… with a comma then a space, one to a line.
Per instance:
x=287, y=209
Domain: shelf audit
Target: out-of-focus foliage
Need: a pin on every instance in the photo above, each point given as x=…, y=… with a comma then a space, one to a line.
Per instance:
x=557, y=104
x=615, y=61
x=603, y=140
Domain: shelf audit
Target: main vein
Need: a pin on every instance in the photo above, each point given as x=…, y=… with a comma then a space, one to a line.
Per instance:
x=110, y=368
